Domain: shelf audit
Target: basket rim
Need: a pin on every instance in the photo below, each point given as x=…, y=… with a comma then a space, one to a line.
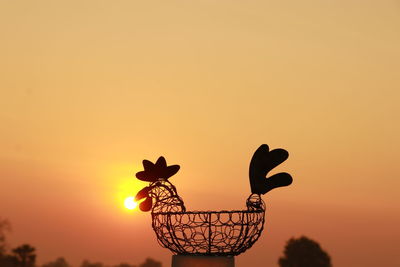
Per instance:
x=210, y=212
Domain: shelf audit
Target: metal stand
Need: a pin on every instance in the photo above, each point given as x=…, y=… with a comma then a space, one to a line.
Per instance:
x=202, y=261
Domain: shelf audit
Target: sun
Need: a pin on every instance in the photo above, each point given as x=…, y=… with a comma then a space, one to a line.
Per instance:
x=130, y=203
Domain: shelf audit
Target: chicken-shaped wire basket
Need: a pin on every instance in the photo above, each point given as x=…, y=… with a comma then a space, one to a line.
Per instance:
x=219, y=233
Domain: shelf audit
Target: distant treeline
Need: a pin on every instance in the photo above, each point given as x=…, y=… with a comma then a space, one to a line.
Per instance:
x=298, y=252
x=25, y=255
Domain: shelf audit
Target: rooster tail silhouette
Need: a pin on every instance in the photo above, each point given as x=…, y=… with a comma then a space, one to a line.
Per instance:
x=209, y=232
x=262, y=162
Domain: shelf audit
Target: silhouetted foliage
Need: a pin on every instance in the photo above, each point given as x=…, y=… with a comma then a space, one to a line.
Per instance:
x=59, y=262
x=5, y=260
x=4, y=227
x=125, y=265
x=304, y=252
x=149, y=262
x=24, y=255
x=86, y=263
x=8, y=261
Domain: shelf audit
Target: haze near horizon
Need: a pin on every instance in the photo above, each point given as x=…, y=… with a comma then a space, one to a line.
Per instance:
x=90, y=88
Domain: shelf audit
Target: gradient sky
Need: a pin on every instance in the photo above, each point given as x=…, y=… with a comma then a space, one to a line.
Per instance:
x=90, y=88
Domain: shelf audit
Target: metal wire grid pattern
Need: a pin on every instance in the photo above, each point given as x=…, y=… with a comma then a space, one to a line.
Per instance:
x=211, y=232
x=166, y=198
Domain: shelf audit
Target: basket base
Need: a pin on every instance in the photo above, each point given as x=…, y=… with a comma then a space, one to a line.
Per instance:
x=202, y=261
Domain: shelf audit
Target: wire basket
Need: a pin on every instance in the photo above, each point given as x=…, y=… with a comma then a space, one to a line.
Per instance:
x=219, y=233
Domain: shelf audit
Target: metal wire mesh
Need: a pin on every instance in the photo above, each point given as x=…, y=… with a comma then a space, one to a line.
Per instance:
x=211, y=232
x=166, y=198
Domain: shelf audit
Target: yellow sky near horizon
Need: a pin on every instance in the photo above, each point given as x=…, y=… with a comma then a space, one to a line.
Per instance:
x=90, y=88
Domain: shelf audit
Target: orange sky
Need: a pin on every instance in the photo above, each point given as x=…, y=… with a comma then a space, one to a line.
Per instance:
x=90, y=88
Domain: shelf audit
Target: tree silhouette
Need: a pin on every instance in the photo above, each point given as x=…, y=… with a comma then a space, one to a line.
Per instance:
x=304, y=252
x=59, y=262
x=7, y=261
x=125, y=265
x=4, y=227
x=149, y=262
x=24, y=256
x=86, y=263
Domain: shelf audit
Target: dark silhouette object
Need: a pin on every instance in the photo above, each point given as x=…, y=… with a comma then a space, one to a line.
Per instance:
x=5, y=226
x=86, y=263
x=59, y=262
x=125, y=265
x=7, y=261
x=304, y=252
x=222, y=233
x=24, y=255
x=149, y=262
x=264, y=161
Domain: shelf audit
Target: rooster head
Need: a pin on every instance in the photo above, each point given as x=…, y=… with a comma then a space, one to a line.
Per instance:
x=153, y=173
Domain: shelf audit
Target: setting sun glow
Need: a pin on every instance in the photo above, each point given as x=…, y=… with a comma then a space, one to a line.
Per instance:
x=89, y=89
x=130, y=203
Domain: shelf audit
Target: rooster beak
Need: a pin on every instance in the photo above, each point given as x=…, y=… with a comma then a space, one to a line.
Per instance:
x=143, y=193
x=147, y=203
